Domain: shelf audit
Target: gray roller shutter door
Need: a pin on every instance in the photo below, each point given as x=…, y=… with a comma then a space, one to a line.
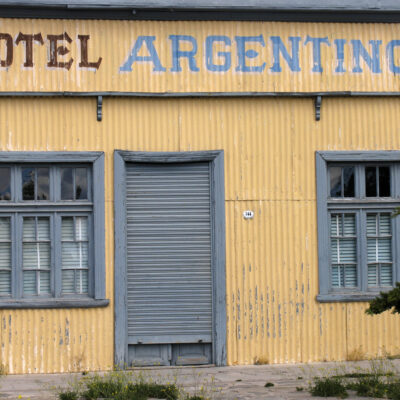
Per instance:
x=169, y=285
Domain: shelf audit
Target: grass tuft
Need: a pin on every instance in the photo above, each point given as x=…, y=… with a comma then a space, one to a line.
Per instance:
x=124, y=385
x=380, y=380
x=328, y=387
x=356, y=355
x=369, y=387
x=68, y=395
x=261, y=360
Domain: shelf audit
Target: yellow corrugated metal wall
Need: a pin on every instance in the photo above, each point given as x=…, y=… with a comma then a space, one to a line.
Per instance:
x=272, y=270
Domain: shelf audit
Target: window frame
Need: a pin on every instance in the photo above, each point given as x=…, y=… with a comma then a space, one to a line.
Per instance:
x=360, y=206
x=93, y=207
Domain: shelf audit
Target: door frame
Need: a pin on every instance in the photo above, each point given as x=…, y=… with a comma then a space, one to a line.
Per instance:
x=216, y=160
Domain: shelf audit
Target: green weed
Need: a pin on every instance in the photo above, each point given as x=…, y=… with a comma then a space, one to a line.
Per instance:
x=68, y=395
x=393, y=390
x=380, y=380
x=196, y=398
x=369, y=387
x=362, y=375
x=130, y=391
x=125, y=385
x=328, y=387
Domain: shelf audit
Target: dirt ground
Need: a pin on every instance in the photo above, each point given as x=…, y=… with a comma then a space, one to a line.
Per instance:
x=222, y=383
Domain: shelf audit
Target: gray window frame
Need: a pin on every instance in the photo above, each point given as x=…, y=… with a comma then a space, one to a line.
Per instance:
x=216, y=160
x=360, y=206
x=93, y=207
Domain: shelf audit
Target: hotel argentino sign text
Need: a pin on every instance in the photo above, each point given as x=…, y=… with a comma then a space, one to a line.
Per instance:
x=143, y=56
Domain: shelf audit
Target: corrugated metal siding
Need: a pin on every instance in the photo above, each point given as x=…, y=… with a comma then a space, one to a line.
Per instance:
x=113, y=41
x=272, y=271
x=169, y=287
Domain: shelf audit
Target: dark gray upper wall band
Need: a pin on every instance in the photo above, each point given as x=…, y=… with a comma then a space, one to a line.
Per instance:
x=277, y=5
x=386, y=11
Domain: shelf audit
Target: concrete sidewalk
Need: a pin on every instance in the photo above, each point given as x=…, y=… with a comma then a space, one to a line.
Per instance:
x=238, y=382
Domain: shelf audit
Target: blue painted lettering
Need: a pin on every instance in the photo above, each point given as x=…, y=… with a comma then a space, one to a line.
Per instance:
x=339, y=43
x=395, y=69
x=177, y=54
x=210, y=64
x=373, y=61
x=279, y=48
x=243, y=54
x=316, y=44
x=152, y=57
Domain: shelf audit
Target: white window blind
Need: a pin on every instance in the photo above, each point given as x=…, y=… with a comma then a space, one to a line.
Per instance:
x=36, y=256
x=379, y=249
x=5, y=256
x=75, y=254
x=343, y=250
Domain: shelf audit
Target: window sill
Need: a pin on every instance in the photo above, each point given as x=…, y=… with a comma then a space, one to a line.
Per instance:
x=346, y=297
x=13, y=304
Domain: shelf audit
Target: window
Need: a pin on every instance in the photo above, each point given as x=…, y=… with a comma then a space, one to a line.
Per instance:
x=52, y=230
x=357, y=236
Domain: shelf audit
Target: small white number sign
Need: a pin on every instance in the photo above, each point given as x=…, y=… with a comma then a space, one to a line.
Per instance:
x=248, y=214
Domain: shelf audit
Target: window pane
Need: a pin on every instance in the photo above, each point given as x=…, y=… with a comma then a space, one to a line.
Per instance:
x=5, y=256
x=74, y=255
x=5, y=283
x=343, y=250
x=372, y=274
x=5, y=184
x=372, y=224
x=36, y=255
x=335, y=174
x=5, y=229
x=81, y=228
x=67, y=228
x=28, y=183
x=82, y=281
x=379, y=249
x=81, y=183
x=348, y=181
x=386, y=275
x=43, y=228
x=347, y=251
x=385, y=249
x=344, y=276
x=29, y=229
x=349, y=224
x=379, y=242
x=44, y=282
x=385, y=224
x=337, y=276
x=370, y=182
x=68, y=281
x=43, y=184
x=75, y=281
x=350, y=276
x=336, y=225
x=29, y=282
x=384, y=181
x=67, y=190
